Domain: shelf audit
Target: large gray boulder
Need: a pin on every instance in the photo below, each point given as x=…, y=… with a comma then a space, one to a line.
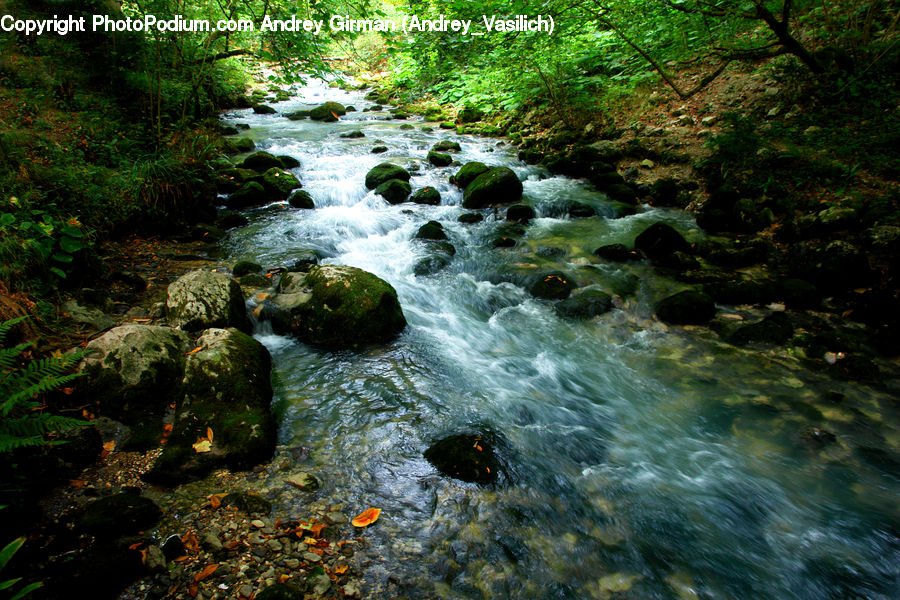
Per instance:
x=227, y=392
x=135, y=371
x=336, y=307
x=203, y=299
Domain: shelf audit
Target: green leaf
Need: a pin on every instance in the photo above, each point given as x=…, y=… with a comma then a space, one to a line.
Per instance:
x=27, y=590
x=72, y=231
x=7, y=219
x=62, y=257
x=10, y=549
x=70, y=245
x=58, y=272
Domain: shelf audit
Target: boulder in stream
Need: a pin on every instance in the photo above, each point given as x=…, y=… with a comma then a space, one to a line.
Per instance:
x=439, y=159
x=552, y=286
x=395, y=191
x=432, y=230
x=497, y=185
x=224, y=418
x=467, y=173
x=337, y=307
x=328, y=112
x=384, y=172
x=202, y=299
x=469, y=457
x=585, y=304
x=686, y=308
x=301, y=199
x=520, y=213
x=426, y=195
x=249, y=195
x=260, y=161
x=264, y=109
x=446, y=146
x=660, y=241
x=278, y=182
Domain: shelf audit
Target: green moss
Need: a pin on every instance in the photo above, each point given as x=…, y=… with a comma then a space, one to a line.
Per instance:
x=468, y=173
x=384, y=172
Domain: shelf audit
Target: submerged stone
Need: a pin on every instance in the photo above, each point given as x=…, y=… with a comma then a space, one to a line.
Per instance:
x=552, y=286
x=688, y=307
x=468, y=457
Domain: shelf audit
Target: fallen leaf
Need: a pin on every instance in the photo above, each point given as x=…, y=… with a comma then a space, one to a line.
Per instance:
x=366, y=517
x=340, y=569
x=77, y=483
x=206, y=572
x=167, y=428
x=215, y=502
x=311, y=541
x=195, y=350
x=202, y=446
x=108, y=447
x=193, y=590
x=209, y=434
x=316, y=528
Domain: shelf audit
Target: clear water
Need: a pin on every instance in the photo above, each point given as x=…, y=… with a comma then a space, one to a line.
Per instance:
x=644, y=462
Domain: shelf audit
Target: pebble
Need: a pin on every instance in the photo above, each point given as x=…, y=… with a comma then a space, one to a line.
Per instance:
x=245, y=590
x=256, y=538
x=311, y=557
x=292, y=563
x=336, y=518
x=212, y=542
x=274, y=545
x=257, y=523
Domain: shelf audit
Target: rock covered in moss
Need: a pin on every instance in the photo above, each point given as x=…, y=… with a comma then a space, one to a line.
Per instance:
x=439, y=159
x=432, y=230
x=337, y=306
x=446, y=146
x=520, y=213
x=552, y=286
x=243, y=267
x=584, y=305
x=384, y=172
x=248, y=195
x=468, y=172
x=426, y=195
x=279, y=182
x=659, y=241
x=301, y=199
x=203, y=299
x=395, y=191
x=264, y=109
x=497, y=185
x=227, y=392
x=260, y=161
x=135, y=370
x=328, y=112
x=686, y=308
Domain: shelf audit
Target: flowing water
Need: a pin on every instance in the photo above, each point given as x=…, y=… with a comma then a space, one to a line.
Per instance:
x=643, y=462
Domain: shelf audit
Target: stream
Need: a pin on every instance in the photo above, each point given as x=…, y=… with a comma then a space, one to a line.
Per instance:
x=644, y=461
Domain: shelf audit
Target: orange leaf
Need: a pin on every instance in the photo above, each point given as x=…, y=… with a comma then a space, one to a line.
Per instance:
x=202, y=446
x=168, y=427
x=215, y=502
x=206, y=572
x=193, y=590
x=334, y=115
x=194, y=351
x=316, y=528
x=366, y=517
x=108, y=447
x=77, y=483
x=209, y=434
x=340, y=569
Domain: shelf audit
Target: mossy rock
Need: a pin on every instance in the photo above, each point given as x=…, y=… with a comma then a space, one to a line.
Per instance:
x=378, y=150
x=470, y=218
x=301, y=199
x=288, y=162
x=264, y=109
x=426, y=195
x=585, y=305
x=384, y=172
x=395, y=191
x=244, y=267
x=203, y=299
x=260, y=161
x=238, y=145
x=497, y=185
x=432, y=230
x=520, y=213
x=469, y=114
x=255, y=280
x=439, y=159
x=617, y=253
x=552, y=286
x=468, y=172
x=776, y=329
x=227, y=391
x=447, y=125
x=279, y=182
x=659, y=241
x=336, y=307
x=352, y=135
x=327, y=112
x=621, y=192
x=297, y=115
x=248, y=195
x=446, y=146
x=134, y=371
x=686, y=308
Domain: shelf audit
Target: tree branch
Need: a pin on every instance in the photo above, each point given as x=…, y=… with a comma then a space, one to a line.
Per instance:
x=222, y=55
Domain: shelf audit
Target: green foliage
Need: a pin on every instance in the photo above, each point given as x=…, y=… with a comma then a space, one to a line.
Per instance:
x=6, y=555
x=37, y=242
x=22, y=422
